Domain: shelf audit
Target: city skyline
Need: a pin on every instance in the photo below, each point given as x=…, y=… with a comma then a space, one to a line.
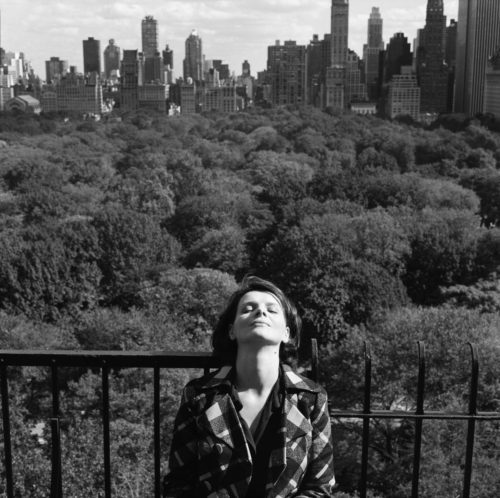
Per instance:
x=232, y=34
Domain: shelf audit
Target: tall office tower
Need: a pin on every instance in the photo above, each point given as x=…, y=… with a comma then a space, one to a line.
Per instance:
x=129, y=79
x=432, y=72
x=335, y=74
x=315, y=71
x=371, y=52
x=193, y=63
x=91, y=56
x=149, y=30
x=286, y=71
x=111, y=58
x=153, y=68
x=340, y=31
x=478, y=36
x=450, y=53
x=450, y=57
x=397, y=54
x=355, y=90
x=168, y=57
x=55, y=69
x=492, y=86
x=245, y=68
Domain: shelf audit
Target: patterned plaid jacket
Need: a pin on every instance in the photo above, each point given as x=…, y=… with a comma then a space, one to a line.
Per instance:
x=210, y=456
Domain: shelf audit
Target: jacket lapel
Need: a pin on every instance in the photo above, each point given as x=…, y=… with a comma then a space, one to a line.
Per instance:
x=216, y=420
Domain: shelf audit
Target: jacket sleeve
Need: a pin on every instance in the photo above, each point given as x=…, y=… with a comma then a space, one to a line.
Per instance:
x=181, y=479
x=319, y=478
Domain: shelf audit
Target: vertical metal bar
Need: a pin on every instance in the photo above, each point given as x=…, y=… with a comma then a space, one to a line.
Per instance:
x=314, y=359
x=105, y=427
x=366, y=421
x=471, y=426
x=418, y=422
x=6, y=430
x=156, y=414
x=206, y=371
x=56, y=479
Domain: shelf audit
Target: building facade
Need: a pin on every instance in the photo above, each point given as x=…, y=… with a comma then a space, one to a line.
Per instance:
x=129, y=97
x=335, y=74
x=91, y=56
x=286, y=72
x=340, y=31
x=55, y=69
x=478, y=37
x=112, y=55
x=432, y=71
x=149, y=32
x=403, y=98
x=371, y=53
x=193, y=62
x=492, y=86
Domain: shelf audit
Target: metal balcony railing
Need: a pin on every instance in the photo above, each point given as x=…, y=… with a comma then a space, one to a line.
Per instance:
x=108, y=360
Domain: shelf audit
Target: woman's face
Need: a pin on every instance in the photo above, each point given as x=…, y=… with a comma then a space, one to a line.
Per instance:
x=259, y=319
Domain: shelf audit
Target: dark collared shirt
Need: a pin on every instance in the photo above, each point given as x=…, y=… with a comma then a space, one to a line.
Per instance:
x=263, y=439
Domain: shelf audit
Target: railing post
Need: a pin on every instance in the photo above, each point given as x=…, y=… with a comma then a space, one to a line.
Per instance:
x=56, y=479
x=418, y=421
x=314, y=360
x=105, y=429
x=156, y=415
x=471, y=426
x=6, y=430
x=366, y=421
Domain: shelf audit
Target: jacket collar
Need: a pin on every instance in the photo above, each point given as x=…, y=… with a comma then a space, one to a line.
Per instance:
x=292, y=380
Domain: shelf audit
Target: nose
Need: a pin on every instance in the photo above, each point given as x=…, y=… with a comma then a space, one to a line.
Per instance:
x=261, y=310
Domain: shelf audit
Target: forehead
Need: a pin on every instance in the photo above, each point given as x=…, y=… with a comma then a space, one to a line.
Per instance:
x=261, y=297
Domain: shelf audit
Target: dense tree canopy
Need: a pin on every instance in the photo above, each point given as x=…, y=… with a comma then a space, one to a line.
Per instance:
x=130, y=233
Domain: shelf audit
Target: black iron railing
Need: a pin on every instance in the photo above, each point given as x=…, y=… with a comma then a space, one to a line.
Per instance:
x=106, y=360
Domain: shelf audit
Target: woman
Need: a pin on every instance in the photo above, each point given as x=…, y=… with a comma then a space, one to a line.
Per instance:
x=254, y=428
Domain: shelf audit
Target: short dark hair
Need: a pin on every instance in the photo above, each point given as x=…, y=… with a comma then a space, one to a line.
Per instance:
x=225, y=347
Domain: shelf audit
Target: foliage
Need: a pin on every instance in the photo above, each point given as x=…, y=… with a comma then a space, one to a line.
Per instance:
x=130, y=233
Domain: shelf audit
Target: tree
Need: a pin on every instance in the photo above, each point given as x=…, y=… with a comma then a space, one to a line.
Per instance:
x=443, y=252
x=132, y=246
x=50, y=270
x=392, y=337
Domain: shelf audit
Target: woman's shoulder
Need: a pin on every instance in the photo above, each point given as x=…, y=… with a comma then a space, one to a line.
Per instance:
x=298, y=381
x=212, y=380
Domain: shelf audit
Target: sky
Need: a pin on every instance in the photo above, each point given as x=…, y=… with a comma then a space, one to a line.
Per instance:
x=231, y=30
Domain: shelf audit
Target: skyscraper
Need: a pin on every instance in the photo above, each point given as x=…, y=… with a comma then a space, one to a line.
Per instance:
x=478, y=36
x=432, y=72
x=193, y=63
x=168, y=57
x=91, y=56
x=397, y=55
x=149, y=30
x=55, y=69
x=286, y=69
x=111, y=58
x=371, y=52
x=335, y=74
x=129, y=80
x=340, y=31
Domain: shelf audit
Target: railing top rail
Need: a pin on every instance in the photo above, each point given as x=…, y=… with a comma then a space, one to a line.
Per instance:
x=130, y=359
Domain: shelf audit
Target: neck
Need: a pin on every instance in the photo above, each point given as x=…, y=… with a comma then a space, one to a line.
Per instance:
x=257, y=370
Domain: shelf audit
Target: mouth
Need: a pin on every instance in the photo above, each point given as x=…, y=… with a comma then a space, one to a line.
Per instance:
x=260, y=323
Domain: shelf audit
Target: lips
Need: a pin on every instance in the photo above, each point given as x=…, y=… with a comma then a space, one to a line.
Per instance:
x=258, y=322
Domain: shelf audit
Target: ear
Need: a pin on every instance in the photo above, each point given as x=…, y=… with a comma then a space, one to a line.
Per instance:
x=286, y=335
x=231, y=333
